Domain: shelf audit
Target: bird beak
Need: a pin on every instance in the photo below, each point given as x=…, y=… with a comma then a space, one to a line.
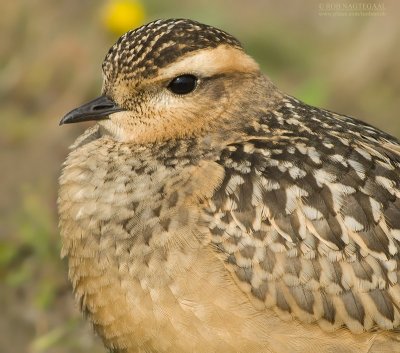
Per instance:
x=97, y=109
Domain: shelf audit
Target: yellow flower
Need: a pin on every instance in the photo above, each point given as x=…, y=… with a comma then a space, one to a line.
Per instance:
x=119, y=16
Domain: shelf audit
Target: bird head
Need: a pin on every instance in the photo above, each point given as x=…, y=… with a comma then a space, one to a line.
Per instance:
x=169, y=79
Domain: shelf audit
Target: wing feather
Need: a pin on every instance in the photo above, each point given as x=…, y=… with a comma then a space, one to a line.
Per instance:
x=310, y=225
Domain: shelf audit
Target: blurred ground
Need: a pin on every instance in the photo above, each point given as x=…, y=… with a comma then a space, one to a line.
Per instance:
x=50, y=57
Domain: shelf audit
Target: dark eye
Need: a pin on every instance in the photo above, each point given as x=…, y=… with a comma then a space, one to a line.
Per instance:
x=183, y=84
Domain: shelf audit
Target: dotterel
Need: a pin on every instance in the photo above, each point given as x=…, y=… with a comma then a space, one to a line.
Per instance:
x=207, y=211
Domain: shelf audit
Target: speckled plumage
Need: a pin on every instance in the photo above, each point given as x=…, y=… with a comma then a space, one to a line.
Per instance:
x=232, y=219
x=141, y=52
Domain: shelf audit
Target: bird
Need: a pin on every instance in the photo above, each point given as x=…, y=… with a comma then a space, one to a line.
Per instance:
x=208, y=211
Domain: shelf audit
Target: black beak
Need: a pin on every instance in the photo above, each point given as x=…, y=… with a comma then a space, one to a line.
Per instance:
x=97, y=109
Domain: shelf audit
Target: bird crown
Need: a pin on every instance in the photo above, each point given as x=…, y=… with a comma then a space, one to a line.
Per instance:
x=159, y=43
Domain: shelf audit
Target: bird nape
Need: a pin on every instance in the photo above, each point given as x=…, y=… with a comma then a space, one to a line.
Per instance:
x=207, y=211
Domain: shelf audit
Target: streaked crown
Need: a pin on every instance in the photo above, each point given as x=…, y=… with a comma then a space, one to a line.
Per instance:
x=155, y=45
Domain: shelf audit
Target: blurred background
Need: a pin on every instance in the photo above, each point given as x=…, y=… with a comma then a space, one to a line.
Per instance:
x=344, y=58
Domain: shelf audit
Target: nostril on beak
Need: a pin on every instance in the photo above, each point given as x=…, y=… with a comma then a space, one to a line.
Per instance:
x=97, y=109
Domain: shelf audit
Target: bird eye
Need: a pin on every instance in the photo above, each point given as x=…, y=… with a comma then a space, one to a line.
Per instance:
x=183, y=84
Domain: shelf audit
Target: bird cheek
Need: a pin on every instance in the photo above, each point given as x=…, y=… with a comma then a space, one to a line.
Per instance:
x=216, y=92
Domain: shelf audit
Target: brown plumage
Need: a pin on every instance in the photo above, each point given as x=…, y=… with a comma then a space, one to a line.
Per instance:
x=207, y=211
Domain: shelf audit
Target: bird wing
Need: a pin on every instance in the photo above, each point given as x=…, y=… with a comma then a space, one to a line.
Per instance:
x=307, y=218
